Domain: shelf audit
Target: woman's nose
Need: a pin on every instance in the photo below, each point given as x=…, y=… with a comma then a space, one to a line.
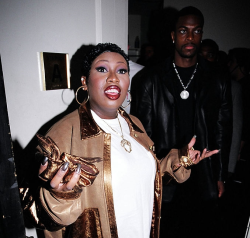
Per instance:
x=112, y=77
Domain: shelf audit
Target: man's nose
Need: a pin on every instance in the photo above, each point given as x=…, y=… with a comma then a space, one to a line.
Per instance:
x=190, y=35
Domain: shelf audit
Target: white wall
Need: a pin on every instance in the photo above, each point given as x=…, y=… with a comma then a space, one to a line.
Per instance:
x=31, y=26
x=226, y=21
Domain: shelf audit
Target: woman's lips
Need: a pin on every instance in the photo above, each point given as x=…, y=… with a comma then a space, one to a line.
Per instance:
x=112, y=92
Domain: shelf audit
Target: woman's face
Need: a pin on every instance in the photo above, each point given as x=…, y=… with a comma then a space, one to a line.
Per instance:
x=108, y=84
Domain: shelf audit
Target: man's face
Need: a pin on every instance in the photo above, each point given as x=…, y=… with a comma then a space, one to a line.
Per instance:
x=208, y=53
x=187, y=36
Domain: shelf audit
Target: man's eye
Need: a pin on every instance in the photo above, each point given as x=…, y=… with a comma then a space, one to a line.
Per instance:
x=122, y=71
x=198, y=31
x=182, y=31
x=101, y=69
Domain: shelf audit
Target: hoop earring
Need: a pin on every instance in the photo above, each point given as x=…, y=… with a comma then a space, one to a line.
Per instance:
x=85, y=101
x=128, y=101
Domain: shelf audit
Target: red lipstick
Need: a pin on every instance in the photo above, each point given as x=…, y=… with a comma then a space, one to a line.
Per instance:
x=112, y=92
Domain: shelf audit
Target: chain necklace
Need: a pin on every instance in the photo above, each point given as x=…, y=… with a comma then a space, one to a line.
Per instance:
x=124, y=143
x=185, y=94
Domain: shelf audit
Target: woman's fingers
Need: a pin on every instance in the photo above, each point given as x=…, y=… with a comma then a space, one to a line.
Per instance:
x=195, y=156
x=44, y=165
x=55, y=182
x=192, y=142
x=206, y=153
x=71, y=184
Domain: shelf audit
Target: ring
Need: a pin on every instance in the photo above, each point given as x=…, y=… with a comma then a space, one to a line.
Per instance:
x=186, y=161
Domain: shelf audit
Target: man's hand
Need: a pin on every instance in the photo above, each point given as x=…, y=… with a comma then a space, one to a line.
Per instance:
x=221, y=188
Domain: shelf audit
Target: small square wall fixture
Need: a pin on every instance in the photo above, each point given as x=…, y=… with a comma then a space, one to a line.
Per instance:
x=54, y=69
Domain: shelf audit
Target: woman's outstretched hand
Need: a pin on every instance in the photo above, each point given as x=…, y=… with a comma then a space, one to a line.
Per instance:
x=55, y=182
x=196, y=155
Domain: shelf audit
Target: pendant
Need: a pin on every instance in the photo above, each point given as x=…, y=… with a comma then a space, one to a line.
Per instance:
x=184, y=94
x=126, y=145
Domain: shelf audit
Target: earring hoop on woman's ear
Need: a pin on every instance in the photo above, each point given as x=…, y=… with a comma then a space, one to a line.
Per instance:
x=130, y=100
x=85, y=101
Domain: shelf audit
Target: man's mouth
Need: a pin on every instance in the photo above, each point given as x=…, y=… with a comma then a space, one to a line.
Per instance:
x=189, y=46
x=113, y=92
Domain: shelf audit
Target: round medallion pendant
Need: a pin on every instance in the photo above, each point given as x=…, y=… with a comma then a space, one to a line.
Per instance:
x=184, y=94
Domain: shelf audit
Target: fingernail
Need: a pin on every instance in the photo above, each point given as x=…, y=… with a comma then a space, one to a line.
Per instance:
x=194, y=136
x=65, y=166
x=44, y=161
x=218, y=151
x=78, y=169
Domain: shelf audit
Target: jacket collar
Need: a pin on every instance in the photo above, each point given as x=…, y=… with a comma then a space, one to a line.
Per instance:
x=89, y=128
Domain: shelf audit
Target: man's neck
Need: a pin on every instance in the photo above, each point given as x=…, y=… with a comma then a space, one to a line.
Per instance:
x=184, y=62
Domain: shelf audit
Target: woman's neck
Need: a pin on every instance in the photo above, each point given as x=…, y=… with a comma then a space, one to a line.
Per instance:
x=106, y=114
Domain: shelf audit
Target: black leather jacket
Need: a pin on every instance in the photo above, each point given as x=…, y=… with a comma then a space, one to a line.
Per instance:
x=154, y=103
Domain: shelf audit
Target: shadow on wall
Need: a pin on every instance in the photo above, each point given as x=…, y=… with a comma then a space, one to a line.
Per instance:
x=161, y=24
x=26, y=164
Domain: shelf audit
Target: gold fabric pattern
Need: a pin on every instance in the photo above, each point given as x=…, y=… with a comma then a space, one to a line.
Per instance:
x=88, y=126
x=88, y=170
x=157, y=201
x=108, y=185
x=88, y=225
x=92, y=215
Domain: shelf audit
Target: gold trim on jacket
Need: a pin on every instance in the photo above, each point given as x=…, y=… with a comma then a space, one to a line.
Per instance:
x=92, y=213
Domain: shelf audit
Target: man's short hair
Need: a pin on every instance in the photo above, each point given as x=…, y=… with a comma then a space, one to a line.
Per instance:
x=190, y=10
x=210, y=43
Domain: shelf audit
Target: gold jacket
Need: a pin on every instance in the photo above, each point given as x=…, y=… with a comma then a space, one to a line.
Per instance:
x=91, y=212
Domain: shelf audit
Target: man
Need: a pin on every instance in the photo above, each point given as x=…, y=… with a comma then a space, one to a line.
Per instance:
x=176, y=100
x=209, y=50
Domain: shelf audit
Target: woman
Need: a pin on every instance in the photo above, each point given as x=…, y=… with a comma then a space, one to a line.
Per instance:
x=102, y=143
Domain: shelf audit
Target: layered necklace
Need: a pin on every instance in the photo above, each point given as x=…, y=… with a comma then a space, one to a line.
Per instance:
x=124, y=143
x=185, y=94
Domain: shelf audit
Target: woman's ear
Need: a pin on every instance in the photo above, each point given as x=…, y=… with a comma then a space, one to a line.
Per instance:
x=84, y=83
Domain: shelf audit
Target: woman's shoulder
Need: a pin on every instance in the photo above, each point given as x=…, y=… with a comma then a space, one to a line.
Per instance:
x=138, y=123
x=66, y=123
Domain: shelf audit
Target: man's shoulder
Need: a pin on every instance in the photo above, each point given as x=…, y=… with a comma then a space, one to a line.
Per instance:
x=163, y=66
x=157, y=72
x=217, y=74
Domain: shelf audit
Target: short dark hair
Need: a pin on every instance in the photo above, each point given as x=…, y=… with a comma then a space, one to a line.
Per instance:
x=96, y=51
x=211, y=43
x=190, y=10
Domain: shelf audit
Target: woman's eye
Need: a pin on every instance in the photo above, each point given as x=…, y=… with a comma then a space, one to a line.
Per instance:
x=122, y=71
x=182, y=31
x=101, y=69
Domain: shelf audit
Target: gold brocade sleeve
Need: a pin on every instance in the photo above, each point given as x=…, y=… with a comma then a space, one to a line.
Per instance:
x=169, y=166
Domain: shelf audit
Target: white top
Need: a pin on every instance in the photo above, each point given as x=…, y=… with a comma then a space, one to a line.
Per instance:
x=133, y=176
